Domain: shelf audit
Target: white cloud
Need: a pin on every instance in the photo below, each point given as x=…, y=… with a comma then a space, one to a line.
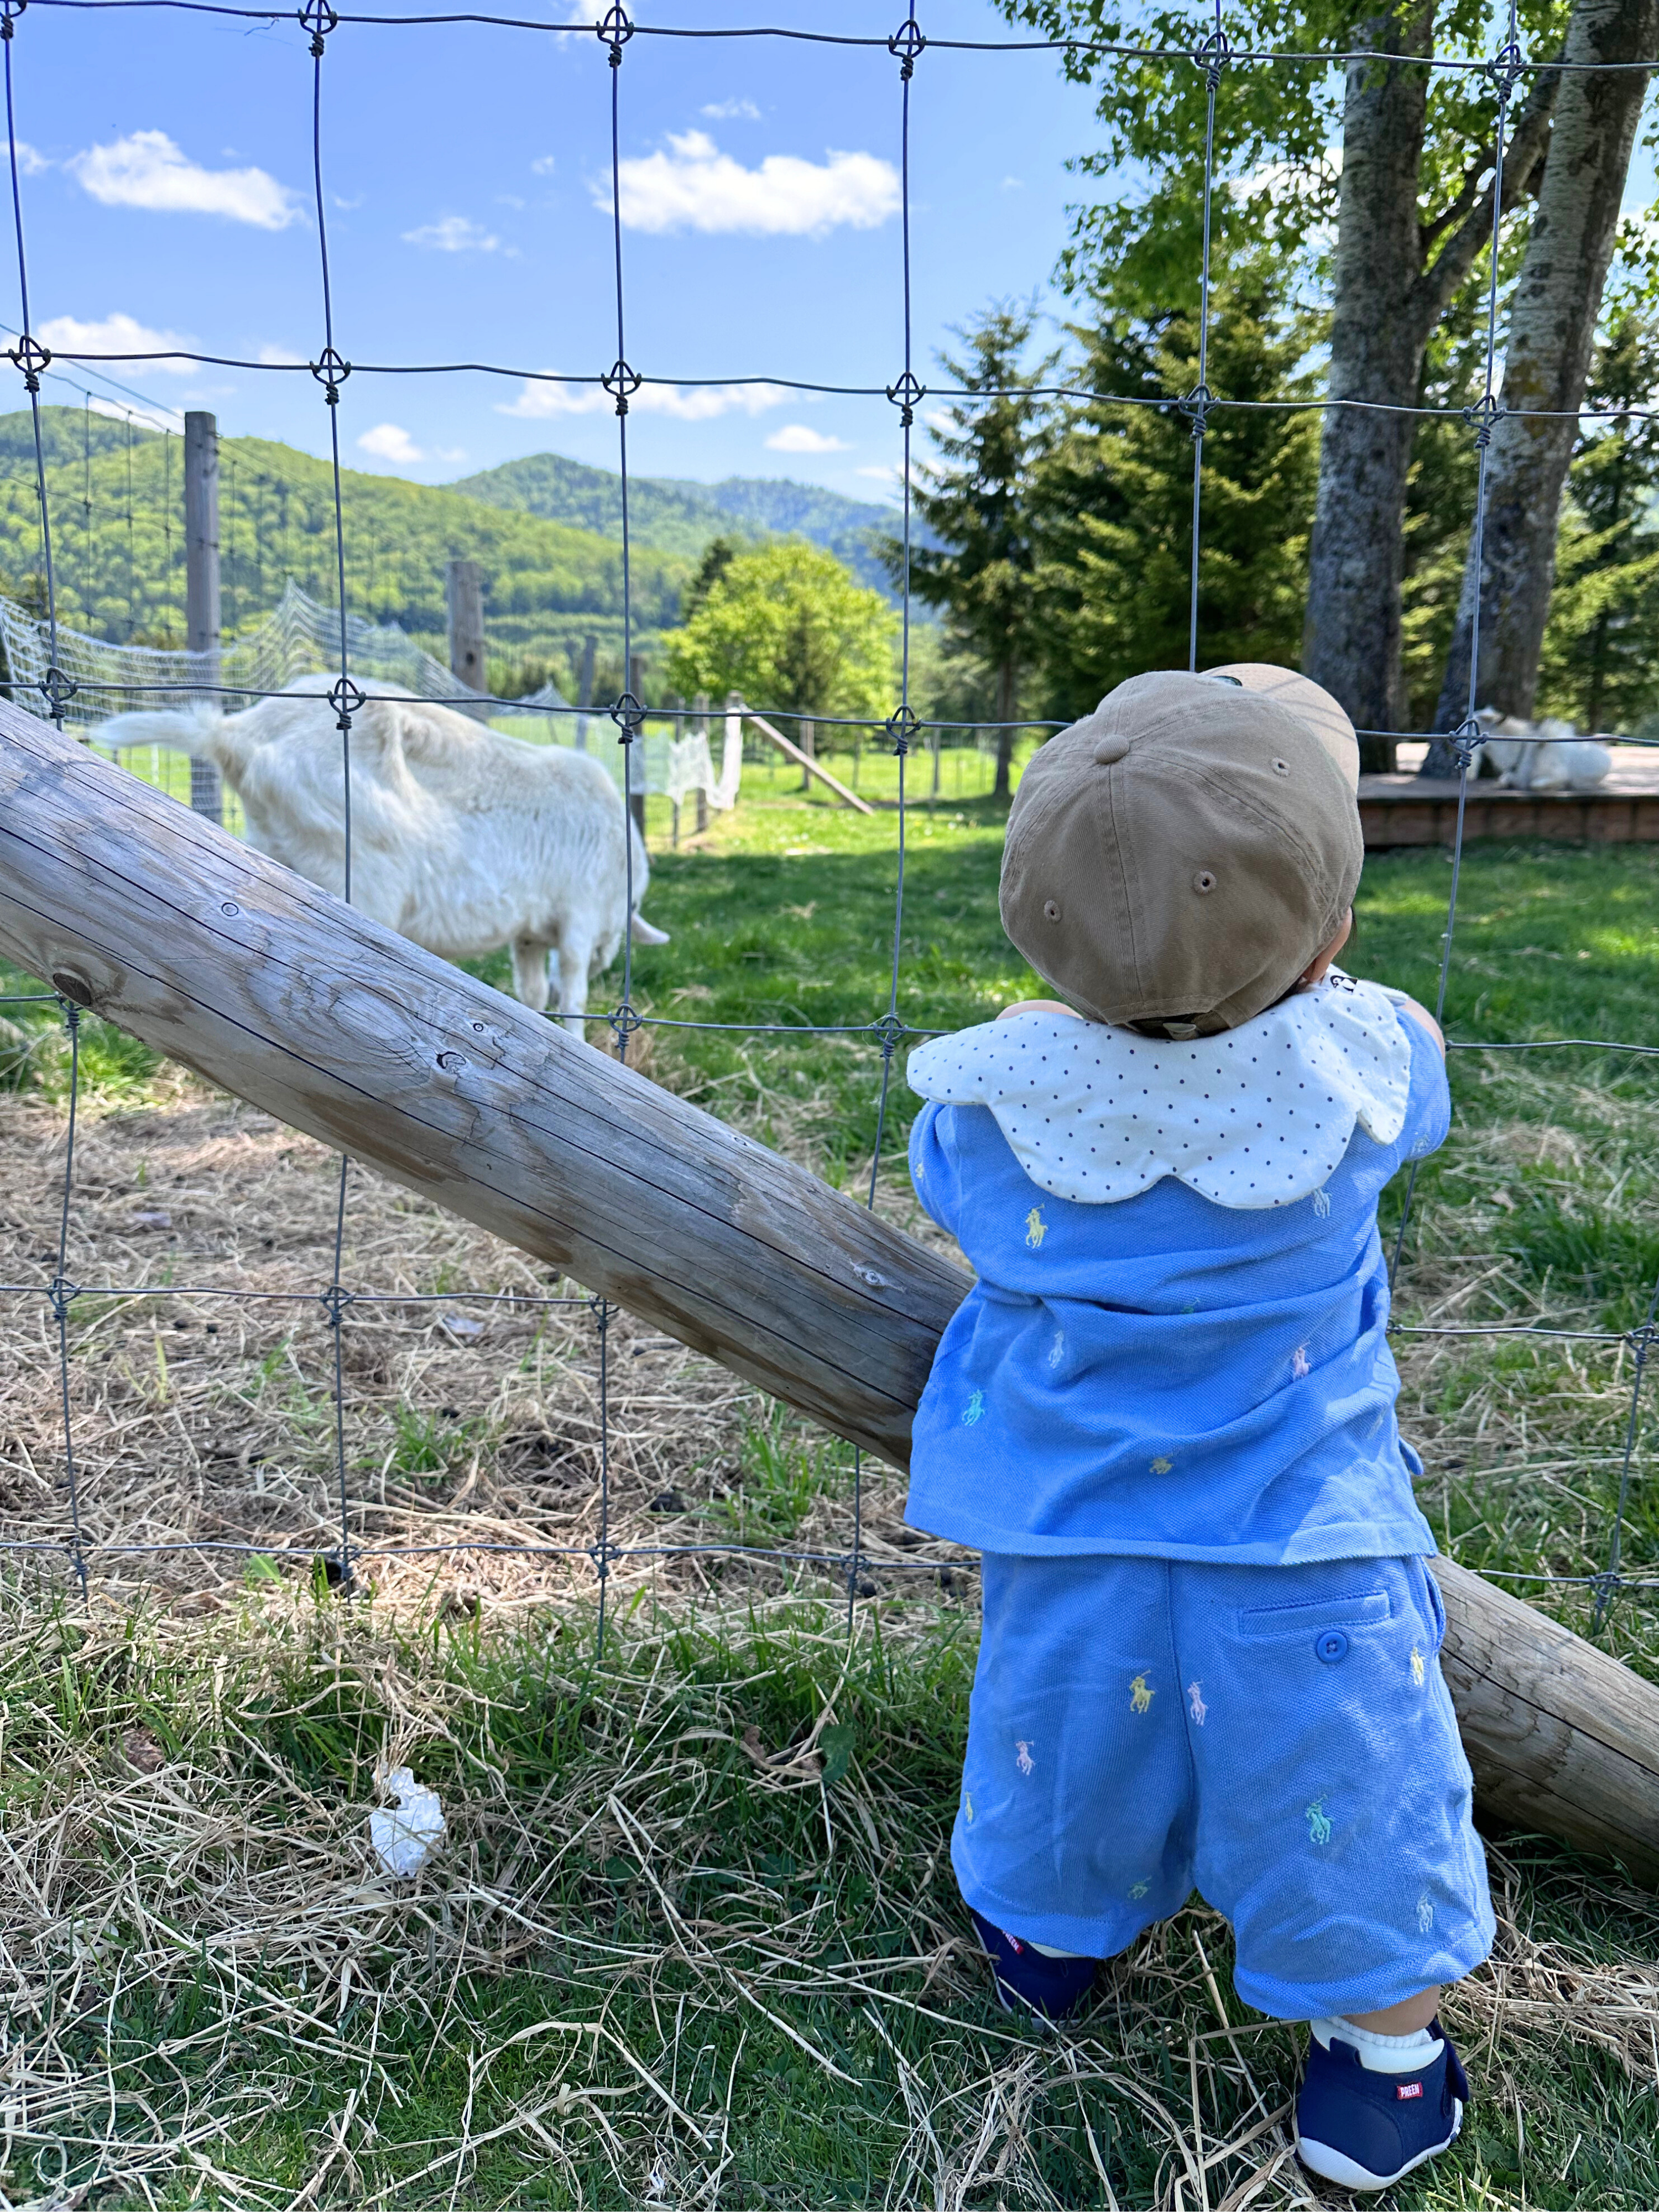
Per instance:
x=508, y=200
x=797, y=438
x=387, y=442
x=145, y=169
x=453, y=234
x=275, y=357
x=29, y=163
x=151, y=418
x=1013, y=184
x=693, y=403
x=117, y=333
x=696, y=187
x=732, y=111
x=886, y=473
x=543, y=166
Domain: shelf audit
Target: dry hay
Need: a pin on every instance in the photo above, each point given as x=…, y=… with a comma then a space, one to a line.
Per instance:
x=470, y=1420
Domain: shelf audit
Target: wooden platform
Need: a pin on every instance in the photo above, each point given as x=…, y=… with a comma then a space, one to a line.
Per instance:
x=1407, y=810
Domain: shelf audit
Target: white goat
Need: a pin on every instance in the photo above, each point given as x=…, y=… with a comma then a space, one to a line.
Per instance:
x=1556, y=759
x=461, y=839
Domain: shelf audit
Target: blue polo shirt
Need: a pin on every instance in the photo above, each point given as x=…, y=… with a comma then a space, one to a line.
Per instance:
x=1166, y=1377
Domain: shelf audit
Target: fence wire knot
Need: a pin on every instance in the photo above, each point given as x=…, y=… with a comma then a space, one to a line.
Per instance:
x=331, y=371
x=905, y=44
x=889, y=1032
x=1466, y=740
x=1483, y=418
x=58, y=689
x=1213, y=56
x=1506, y=66
x=1195, y=405
x=622, y=382
x=61, y=1295
x=615, y=31
x=28, y=353
x=319, y=19
x=907, y=395
x=903, y=726
x=347, y=699
x=629, y=715
x=624, y=1021
x=9, y=11
x=334, y=1301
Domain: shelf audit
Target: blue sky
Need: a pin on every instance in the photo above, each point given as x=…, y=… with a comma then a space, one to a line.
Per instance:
x=168, y=160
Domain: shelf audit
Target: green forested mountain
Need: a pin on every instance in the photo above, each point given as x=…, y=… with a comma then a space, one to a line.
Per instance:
x=116, y=499
x=680, y=517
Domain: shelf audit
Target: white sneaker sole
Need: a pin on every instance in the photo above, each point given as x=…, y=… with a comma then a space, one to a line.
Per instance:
x=1332, y=2165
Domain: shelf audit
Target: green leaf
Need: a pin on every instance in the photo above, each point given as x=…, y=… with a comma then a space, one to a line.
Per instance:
x=837, y=1745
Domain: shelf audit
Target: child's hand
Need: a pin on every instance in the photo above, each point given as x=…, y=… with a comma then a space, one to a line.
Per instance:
x=1422, y=1015
x=1038, y=1007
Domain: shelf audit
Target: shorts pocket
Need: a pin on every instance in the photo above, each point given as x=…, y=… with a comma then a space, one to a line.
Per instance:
x=1354, y=1609
x=1435, y=1604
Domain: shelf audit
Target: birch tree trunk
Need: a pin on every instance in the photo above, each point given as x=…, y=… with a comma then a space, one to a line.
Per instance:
x=1551, y=332
x=1389, y=298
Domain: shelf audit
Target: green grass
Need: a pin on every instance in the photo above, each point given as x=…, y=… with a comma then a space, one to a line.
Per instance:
x=630, y=1883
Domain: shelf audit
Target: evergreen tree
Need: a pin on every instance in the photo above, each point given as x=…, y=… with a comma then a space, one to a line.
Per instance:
x=1600, y=660
x=1113, y=498
x=976, y=499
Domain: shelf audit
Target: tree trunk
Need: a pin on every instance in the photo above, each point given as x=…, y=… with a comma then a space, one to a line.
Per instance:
x=1389, y=298
x=1551, y=335
x=1008, y=676
x=1356, y=557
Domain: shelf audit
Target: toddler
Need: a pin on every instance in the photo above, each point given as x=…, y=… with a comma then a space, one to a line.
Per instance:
x=1165, y=1413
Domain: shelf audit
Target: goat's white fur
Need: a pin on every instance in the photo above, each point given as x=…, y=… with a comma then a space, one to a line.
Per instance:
x=1556, y=759
x=462, y=839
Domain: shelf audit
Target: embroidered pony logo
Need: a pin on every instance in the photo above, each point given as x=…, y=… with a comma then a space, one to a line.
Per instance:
x=1425, y=1912
x=1141, y=1889
x=1036, y=1229
x=1319, y=1824
x=1162, y=1465
x=1057, y=1349
x=1140, y=1696
x=968, y=1808
x=1195, y=1705
x=972, y=1411
x=1023, y=1757
x=1416, y=1666
x=1299, y=1362
x=1321, y=1201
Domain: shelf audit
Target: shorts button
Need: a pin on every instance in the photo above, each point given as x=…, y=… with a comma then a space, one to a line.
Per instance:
x=1331, y=1645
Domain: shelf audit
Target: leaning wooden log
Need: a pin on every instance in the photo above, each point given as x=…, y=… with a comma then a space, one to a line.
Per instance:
x=162, y=923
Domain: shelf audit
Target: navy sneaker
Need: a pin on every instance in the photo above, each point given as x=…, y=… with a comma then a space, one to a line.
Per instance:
x=1364, y=2129
x=1028, y=1980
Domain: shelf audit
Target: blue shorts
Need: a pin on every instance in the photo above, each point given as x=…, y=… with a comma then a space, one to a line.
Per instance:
x=1279, y=1738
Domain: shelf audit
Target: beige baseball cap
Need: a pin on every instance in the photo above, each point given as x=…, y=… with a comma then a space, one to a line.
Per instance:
x=1176, y=859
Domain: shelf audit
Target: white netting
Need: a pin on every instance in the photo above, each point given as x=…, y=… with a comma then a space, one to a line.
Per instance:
x=299, y=637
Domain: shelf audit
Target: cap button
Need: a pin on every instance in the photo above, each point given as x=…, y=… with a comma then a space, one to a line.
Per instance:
x=1111, y=750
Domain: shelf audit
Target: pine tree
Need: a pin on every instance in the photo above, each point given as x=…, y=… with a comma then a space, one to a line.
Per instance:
x=1600, y=659
x=1114, y=496
x=976, y=500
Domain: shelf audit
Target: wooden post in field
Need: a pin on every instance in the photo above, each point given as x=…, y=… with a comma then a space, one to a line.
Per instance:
x=636, y=772
x=166, y=925
x=703, y=789
x=809, y=746
x=202, y=583
x=585, y=689
x=465, y=594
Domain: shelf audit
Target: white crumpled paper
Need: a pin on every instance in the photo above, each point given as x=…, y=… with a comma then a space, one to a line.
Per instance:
x=403, y=1836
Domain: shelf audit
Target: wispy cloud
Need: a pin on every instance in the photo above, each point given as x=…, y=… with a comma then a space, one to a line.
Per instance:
x=455, y=233
x=800, y=438
x=117, y=333
x=694, y=404
x=731, y=110
x=388, y=442
x=544, y=166
x=145, y=169
x=694, y=186
x=275, y=357
x=29, y=162
x=152, y=418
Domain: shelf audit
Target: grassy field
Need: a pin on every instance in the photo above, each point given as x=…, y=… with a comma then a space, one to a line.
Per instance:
x=693, y=1939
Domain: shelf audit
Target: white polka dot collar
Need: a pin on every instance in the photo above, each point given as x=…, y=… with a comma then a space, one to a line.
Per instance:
x=1258, y=1116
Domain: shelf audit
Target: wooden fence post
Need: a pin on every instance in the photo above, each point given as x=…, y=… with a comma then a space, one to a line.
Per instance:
x=585, y=689
x=201, y=584
x=466, y=631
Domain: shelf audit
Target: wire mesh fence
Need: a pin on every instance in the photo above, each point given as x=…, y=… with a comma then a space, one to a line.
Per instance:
x=72, y=686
